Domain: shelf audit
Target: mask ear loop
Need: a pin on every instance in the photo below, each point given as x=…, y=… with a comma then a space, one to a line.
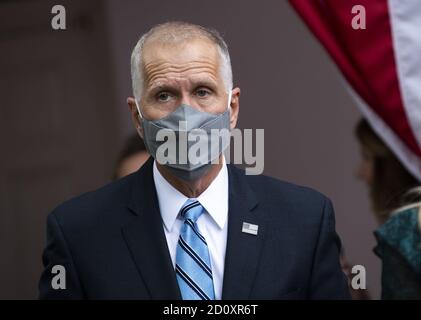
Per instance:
x=138, y=110
x=229, y=100
x=139, y=114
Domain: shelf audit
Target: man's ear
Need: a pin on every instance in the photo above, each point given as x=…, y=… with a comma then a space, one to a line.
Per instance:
x=235, y=107
x=131, y=102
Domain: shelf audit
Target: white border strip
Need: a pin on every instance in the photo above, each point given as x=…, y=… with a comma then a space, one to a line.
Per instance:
x=405, y=23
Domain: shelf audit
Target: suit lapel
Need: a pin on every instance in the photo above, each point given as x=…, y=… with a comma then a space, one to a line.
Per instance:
x=146, y=240
x=243, y=249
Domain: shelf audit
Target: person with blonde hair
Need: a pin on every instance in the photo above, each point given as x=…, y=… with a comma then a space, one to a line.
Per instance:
x=396, y=201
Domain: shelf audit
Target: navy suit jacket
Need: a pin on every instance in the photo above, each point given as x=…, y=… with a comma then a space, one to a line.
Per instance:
x=112, y=243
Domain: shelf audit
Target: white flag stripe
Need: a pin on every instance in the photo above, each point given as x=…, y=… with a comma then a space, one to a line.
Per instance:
x=406, y=37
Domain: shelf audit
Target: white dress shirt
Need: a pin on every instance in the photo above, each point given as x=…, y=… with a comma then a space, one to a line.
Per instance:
x=213, y=224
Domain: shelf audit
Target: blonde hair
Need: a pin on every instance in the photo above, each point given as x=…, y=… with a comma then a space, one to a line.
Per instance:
x=410, y=200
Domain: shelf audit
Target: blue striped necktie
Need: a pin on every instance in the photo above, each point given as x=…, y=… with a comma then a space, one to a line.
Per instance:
x=192, y=263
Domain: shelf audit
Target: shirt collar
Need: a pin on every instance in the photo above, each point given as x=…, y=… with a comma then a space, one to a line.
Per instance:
x=214, y=199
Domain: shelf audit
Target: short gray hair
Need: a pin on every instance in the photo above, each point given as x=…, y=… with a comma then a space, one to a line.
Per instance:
x=176, y=31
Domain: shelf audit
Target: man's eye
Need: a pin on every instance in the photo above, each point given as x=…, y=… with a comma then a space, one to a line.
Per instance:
x=163, y=96
x=202, y=93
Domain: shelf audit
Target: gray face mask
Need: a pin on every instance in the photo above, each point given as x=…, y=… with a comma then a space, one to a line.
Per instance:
x=187, y=141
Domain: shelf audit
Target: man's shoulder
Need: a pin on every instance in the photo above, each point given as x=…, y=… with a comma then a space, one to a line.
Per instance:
x=91, y=207
x=278, y=192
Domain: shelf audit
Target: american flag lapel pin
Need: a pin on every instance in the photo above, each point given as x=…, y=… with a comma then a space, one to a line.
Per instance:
x=250, y=228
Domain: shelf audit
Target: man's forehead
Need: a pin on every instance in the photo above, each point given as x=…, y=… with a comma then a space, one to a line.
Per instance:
x=189, y=51
x=193, y=60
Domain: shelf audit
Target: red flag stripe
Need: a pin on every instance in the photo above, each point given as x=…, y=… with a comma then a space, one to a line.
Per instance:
x=365, y=57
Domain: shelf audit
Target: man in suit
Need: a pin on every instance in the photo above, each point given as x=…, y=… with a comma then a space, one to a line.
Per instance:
x=191, y=230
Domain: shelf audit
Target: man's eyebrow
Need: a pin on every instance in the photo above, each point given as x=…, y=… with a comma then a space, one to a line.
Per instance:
x=204, y=83
x=153, y=88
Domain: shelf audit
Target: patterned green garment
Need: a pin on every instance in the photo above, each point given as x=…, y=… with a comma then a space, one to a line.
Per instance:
x=399, y=248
